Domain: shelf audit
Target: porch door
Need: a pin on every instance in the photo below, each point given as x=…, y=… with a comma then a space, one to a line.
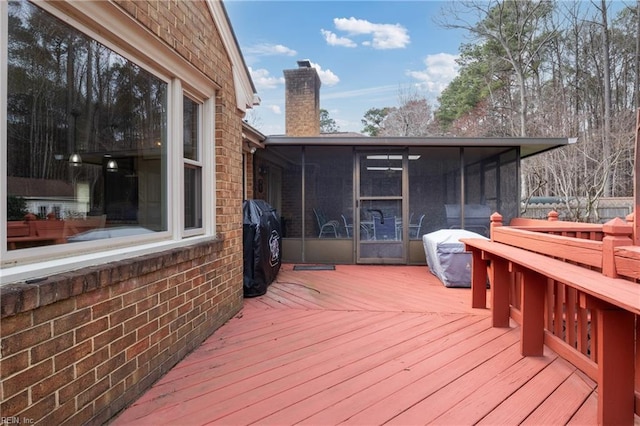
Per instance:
x=381, y=182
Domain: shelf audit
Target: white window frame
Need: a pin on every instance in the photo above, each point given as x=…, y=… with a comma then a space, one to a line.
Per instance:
x=198, y=164
x=109, y=25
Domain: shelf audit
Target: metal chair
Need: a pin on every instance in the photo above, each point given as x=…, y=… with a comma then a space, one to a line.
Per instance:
x=414, y=228
x=326, y=226
x=364, y=229
x=384, y=228
x=347, y=227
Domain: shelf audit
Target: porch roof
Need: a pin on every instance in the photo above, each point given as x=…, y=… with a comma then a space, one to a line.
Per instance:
x=528, y=146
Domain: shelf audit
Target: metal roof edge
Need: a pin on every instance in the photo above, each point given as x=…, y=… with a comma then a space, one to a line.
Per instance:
x=416, y=141
x=529, y=146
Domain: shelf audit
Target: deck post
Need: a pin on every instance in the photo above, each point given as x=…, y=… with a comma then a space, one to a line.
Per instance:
x=630, y=218
x=500, y=279
x=496, y=220
x=478, y=280
x=534, y=286
x=616, y=234
x=553, y=216
x=615, y=350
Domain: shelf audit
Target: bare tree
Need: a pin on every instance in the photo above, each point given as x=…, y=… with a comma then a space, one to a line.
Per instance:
x=606, y=81
x=414, y=116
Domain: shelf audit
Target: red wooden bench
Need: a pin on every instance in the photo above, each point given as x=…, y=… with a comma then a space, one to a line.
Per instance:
x=52, y=231
x=32, y=231
x=531, y=262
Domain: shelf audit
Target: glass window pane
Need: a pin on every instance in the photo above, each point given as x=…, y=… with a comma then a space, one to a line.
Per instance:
x=192, y=197
x=191, y=128
x=192, y=172
x=86, y=136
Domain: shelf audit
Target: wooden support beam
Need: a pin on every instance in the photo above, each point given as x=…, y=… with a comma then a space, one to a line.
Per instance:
x=500, y=279
x=532, y=303
x=616, y=358
x=478, y=280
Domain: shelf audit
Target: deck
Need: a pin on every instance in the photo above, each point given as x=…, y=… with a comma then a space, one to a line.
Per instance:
x=365, y=345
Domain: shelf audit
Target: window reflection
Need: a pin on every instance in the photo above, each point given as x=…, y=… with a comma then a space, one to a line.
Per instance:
x=86, y=134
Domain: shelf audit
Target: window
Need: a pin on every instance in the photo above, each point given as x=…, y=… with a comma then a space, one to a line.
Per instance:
x=91, y=141
x=192, y=164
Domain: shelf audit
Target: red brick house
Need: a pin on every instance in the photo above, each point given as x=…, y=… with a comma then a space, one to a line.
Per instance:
x=137, y=107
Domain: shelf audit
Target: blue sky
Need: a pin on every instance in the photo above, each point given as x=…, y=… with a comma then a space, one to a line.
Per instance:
x=366, y=53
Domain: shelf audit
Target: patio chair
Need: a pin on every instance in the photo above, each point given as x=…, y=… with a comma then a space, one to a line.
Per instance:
x=414, y=228
x=348, y=227
x=384, y=228
x=326, y=226
x=364, y=229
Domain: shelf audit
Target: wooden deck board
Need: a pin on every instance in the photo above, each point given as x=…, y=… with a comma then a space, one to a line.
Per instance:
x=403, y=391
x=516, y=408
x=474, y=405
x=364, y=345
x=563, y=403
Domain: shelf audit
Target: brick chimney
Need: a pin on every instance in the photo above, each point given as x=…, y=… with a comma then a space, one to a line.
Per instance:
x=302, y=100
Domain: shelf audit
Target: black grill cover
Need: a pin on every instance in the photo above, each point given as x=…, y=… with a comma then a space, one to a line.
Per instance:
x=262, y=246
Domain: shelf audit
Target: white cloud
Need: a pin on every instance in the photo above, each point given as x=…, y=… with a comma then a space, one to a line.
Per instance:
x=366, y=92
x=275, y=109
x=266, y=49
x=263, y=80
x=384, y=36
x=333, y=40
x=327, y=77
x=439, y=70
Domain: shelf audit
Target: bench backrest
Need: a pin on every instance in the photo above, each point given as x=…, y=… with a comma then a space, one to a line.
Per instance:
x=17, y=229
x=581, y=251
x=49, y=228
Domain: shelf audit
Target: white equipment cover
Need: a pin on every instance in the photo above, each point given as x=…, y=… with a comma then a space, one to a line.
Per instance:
x=446, y=257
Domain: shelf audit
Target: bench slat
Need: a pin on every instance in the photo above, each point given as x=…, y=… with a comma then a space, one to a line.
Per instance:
x=583, y=251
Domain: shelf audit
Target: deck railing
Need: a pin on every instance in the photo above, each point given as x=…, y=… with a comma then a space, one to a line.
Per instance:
x=571, y=325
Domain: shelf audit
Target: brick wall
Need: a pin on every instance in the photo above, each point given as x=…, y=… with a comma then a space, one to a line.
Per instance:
x=249, y=176
x=78, y=347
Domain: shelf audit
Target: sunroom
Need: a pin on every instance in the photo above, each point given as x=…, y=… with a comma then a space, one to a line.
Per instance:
x=355, y=199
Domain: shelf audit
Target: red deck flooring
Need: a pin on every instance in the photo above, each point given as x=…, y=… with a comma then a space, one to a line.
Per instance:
x=365, y=345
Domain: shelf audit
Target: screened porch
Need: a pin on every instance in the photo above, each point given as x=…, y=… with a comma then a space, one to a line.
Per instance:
x=370, y=200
